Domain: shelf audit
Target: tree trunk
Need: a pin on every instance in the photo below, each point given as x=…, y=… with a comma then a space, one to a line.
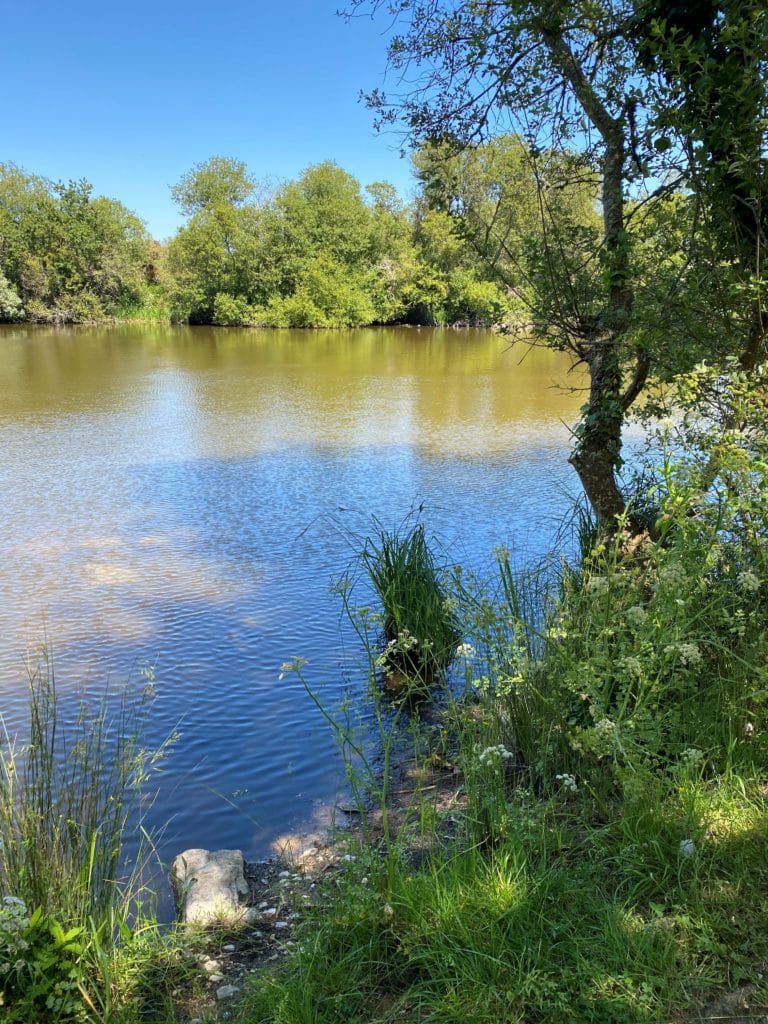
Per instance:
x=597, y=453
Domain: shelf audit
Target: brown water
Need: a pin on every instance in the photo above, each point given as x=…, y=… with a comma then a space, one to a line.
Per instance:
x=182, y=497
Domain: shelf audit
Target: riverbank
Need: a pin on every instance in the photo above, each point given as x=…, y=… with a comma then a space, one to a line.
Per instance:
x=581, y=834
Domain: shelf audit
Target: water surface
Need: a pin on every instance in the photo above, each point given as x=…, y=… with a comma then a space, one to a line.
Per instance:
x=181, y=498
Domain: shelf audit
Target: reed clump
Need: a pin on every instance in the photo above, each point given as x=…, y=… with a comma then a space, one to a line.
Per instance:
x=419, y=623
x=72, y=913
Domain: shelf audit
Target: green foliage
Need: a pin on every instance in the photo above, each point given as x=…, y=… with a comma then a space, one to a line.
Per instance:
x=229, y=311
x=218, y=181
x=10, y=304
x=69, y=256
x=608, y=860
x=419, y=624
x=66, y=799
x=41, y=966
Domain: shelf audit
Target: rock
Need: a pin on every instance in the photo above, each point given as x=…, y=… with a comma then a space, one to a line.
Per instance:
x=227, y=992
x=229, y=948
x=214, y=979
x=210, y=886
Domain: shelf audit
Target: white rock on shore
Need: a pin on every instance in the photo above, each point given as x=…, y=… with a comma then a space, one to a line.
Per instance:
x=210, y=886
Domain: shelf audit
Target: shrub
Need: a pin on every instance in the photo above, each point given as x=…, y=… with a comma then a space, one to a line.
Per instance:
x=231, y=311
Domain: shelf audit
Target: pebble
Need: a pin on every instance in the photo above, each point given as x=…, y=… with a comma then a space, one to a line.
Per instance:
x=227, y=991
x=229, y=948
x=210, y=966
x=214, y=979
x=348, y=858
x=284, y=874
x=263, y=904
x=281, y=924
x=270, y=912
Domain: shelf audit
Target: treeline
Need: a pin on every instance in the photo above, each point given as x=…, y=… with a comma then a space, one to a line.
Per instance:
x=320, y=251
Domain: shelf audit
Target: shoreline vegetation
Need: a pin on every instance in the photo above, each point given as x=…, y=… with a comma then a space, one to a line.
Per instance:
x=320, y=251
x=564, y=814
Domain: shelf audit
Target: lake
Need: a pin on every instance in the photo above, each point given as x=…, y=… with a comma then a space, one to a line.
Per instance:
x=178, y=500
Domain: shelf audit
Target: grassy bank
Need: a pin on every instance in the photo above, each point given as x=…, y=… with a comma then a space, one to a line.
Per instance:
x=606, y=858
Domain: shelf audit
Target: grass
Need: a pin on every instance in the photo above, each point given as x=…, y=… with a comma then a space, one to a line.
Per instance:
x=420, y=627
x=75, y=930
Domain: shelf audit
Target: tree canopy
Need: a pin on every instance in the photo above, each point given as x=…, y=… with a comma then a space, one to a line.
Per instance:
x=650, y=100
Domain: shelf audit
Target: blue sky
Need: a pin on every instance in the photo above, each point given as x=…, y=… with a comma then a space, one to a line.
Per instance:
x=131, y=95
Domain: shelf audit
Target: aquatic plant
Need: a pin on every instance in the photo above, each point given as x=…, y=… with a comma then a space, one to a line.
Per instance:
x=420, y=624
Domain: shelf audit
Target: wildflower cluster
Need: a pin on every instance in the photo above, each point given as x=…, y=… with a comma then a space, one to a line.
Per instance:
x=14, y=924
x=688, y=653
x=494, y=756
x=597, y=586
x=568, y=782
x=692, y=758
x=635, y=615
x=748, y=581
x=403, y=644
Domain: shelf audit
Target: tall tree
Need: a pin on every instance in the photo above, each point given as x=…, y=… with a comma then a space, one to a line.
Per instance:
x=606, y=79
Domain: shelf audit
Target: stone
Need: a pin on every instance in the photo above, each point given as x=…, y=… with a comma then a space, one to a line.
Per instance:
x=227, y=992
x=210, y=886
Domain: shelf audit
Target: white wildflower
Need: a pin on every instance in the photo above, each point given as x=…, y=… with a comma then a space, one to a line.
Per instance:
x=635, y=615
x=692, y=757
x=568, y=782
x=14, y=901
x=632, y=665
x=689, y=654
x=597, y=585
x=465, y=651
x=605, y=728
x=748, y=581
x=292, y=666
x=494, y=755
x=672, y=575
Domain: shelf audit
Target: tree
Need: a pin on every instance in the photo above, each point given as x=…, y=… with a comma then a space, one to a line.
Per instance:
x=572, y=78
x=69, y=256
x=217, y=181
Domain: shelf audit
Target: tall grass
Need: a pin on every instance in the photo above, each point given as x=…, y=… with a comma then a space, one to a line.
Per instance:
x=68, y=795
x=66, y=798
x=420, y=626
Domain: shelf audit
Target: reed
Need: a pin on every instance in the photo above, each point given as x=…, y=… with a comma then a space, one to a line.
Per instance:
x=420, y=625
